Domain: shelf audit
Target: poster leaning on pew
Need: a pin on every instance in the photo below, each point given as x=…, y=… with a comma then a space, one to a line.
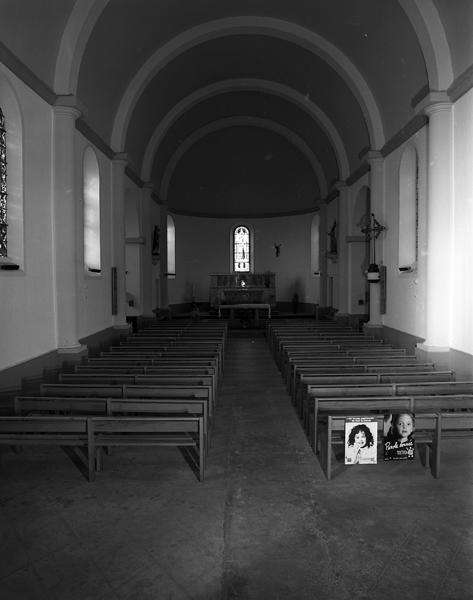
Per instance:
x=361, y=441
x=398, y=436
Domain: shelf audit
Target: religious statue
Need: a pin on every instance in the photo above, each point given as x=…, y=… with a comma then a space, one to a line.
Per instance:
x=333, y=239
x=155, y=247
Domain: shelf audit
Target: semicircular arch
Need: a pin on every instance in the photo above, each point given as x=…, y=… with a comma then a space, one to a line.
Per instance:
x=271, y=87
x=289, y=135
x=249, y=25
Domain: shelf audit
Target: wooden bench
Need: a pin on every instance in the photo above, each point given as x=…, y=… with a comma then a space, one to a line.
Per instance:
x=156, y=407
x=427, y=433
x=424, y=388
x=171, y=370
x=128, y=391
x=294, y=366
x=173, y=353
x=379, y=377
x=46, y=431
x=303, y=375
x=139, y=379
x=95, y=433
x=385, y=404
x=315, y=383
x=183, y=432
x=364, y=354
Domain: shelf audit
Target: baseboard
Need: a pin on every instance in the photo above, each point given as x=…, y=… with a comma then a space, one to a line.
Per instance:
x=27, y=375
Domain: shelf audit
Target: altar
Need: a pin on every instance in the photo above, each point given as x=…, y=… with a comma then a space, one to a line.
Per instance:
x=252, y=306
x=242, y=288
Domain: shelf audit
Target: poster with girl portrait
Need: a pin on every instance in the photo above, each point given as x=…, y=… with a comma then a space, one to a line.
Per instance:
x=361, y=441
x=398, y=436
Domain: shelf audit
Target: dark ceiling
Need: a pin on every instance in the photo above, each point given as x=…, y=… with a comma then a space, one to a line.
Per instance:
x=252, y=107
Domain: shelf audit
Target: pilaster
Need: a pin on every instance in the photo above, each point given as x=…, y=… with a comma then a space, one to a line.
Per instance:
x=119, y=163
x=439, y=226
x=343, y=284
x=376, y=180
x=145, y=255
x=66, y=227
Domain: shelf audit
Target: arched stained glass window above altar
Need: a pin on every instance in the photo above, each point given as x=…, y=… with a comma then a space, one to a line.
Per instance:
x=241, y=249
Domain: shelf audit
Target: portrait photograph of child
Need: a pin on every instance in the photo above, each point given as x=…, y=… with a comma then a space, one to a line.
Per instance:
x=361, y=441
x=398, y=440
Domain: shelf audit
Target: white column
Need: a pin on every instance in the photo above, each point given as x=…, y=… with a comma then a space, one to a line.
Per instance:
x=342, y=249
x=376, y=163
x=439, y=227
x=119, y=163
x=66, y=227
x=146, y=231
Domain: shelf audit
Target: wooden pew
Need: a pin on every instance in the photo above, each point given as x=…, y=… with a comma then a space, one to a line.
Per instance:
x=402, y=376
x=427, y=433
x=95, y=433
x=302, y=374
x=175, y=355
x=128, y=391
x=151, y=367
x=60, y=405
x=304, y=364
x=171, y=370
x=316, y=393
x=182, y=432
x=365, y=354
x=47, y=431
x=386, y=404
x=142, y=379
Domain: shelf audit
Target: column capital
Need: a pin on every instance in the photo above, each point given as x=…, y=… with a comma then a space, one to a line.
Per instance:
x=373, y=157
x=434, y=101
x=69, y=106
x=120, y=158
x=340, y=186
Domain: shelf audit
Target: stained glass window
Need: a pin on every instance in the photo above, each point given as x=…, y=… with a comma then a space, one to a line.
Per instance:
x=241, y=249
x=408, y=210
x=91, y=212
x=3, y=186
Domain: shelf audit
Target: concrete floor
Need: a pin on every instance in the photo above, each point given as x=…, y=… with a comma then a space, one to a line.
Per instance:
x=265, y=524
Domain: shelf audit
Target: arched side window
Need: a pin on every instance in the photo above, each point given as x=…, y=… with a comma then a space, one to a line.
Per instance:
x=315, y=245
x=171, y=244
x=241, y=249
x=11, y=202
x=408, y=210
x=3, y=186
x=91, y=192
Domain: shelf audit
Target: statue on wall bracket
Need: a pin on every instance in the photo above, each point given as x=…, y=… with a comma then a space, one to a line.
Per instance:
x=155, y=248
x=333, y=239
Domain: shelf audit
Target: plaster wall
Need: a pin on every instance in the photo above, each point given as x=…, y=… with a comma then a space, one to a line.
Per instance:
x=27, y=305
x=203, y=247
x=405, y=292
x=461, y=317
x=93, y=289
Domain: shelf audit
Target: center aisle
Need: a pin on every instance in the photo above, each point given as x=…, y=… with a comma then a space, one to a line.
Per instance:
x=272, y=546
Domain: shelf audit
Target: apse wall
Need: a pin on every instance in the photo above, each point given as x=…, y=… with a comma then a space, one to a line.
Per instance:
x=203, y=247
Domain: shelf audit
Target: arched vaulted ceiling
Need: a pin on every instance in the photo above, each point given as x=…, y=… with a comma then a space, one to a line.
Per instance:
x=252, y=107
